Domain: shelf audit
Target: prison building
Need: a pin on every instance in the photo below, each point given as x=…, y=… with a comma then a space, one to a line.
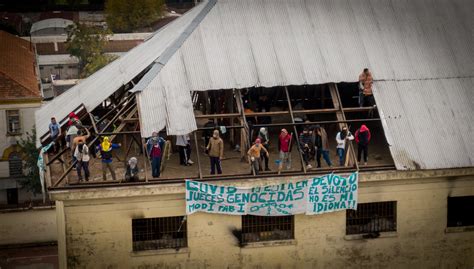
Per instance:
x=278, y=64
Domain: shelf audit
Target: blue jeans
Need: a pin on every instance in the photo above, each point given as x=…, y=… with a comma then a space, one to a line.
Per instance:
x=325, y=154
x=340, y=153
x=155, y=166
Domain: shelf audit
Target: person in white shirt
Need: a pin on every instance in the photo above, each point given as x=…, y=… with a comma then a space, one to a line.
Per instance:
x=341, y=138
x=184, y=148
x=82, y=155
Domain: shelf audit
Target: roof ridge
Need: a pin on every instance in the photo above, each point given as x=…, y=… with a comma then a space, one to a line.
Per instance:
x=163, y=59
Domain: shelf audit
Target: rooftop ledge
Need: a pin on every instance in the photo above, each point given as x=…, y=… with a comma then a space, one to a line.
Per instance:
x=162, y=187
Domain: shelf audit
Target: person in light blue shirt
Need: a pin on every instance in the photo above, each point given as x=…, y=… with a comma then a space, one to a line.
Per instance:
x=54, y=130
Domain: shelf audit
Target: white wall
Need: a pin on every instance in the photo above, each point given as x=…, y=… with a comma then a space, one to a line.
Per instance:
x=27, y=119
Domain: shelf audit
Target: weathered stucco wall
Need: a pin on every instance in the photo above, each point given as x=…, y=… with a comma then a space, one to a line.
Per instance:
x=28, y=226
x=98, y=232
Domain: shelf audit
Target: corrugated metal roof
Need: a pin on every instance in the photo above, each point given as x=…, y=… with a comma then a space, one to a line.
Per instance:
x=99, y=86
x=428, y=123
x=420, y=52
x=246, y=43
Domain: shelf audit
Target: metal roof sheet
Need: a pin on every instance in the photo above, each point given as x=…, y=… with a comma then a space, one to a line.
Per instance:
x=428, y=122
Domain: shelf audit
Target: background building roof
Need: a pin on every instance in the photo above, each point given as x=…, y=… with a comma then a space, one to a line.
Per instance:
x=50, y=23
x=17, y=69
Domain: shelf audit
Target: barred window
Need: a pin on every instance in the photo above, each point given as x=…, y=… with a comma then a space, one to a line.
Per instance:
x=460, y=211
x=262, y=228
x=159, y=233
x=15, y=166
x=13, y=122
x=372, y=218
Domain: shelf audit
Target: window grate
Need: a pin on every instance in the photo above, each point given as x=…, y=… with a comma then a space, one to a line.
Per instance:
x=458, y=211
x=372, y=218
x=159, y=233
x=15, y=166
x=262, y=228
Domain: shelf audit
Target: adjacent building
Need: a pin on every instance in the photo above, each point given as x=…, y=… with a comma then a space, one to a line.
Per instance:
x=20, y=97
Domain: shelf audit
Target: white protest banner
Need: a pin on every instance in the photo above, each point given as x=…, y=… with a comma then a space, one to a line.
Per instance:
x=311, y=196
x=332, y=193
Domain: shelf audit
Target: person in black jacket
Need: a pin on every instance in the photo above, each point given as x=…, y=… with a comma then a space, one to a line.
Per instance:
x=306, y=146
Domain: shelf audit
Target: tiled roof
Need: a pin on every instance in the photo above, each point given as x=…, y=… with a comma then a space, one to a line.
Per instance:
x=17, y=69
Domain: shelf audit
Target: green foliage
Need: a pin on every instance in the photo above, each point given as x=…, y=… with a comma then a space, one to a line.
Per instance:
x=126, y=16
x=30, y=158
x=87, y=44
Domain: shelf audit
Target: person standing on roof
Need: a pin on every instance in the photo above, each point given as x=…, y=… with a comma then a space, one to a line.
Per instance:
x=208, y=133
x=154, y=149
x=284, y=146
x=184, y=148
x=362, y=138
x=105, y=148
x=321, y=145
x=263, y=135
x=341, y=139
x=254, y=154
x=81, y=153
x=54, y=130
x=366, y=97
x=306, y=146
x=215, y=148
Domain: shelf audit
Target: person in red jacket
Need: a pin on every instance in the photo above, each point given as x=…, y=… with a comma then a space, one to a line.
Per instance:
x=362, y=138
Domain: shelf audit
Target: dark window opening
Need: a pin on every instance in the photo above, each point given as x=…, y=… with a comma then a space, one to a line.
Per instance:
x=372, y=218
x=159, y=233
x=12, y=196
x=262, y=228
x=460, y=211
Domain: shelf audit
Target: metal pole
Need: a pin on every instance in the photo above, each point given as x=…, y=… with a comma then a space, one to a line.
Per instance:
x=197, y=154
x=290, y=108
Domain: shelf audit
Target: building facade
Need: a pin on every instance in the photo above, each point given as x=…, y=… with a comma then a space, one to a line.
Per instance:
x=96, y=228
x=20, y=97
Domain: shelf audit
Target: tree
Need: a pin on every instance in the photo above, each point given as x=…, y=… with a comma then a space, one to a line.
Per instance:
x=30, y=157
x=126, y=16
x=87, y=44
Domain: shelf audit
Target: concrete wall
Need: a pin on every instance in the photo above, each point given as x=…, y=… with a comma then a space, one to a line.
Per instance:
x=97, y=232
x=28, y=226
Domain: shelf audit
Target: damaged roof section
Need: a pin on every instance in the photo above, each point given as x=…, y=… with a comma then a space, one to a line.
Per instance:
x=428, y=123
x=420, y=53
